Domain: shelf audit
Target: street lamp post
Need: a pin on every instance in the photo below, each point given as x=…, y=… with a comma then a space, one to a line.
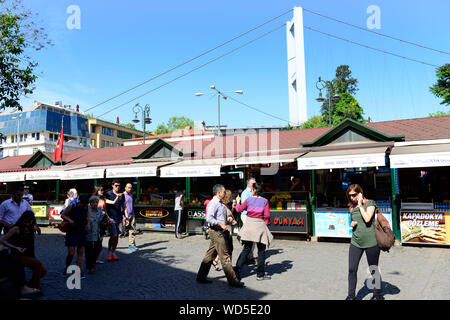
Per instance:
x=335, y=98
x=219, y=94
x=145, y=116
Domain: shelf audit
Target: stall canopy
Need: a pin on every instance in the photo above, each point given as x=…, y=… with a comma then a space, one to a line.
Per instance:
x=44, y=174
x=263, y=159
x=426, y=155
x=193, y=168
x=135, y=170
x=351, y=158
x=83, y=173
x=12, y=176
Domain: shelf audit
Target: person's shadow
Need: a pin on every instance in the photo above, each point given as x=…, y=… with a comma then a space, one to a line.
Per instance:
x=387, y=289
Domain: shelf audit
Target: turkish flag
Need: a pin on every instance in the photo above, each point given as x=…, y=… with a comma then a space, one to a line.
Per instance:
x=59, y=147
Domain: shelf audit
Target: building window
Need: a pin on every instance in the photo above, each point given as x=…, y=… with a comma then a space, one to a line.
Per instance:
x=50, y=136
x=33, y=135
x=25, y=137
x=92, y=128
x=111, y=144
x=107, y=131
x=38, y=135
x=124, y=135
x=102, y=145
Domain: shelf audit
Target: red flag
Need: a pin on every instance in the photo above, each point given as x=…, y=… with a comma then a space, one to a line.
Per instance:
x=59, y=147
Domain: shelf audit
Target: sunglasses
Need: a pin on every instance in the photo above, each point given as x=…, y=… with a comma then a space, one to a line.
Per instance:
x=351, y=195
x=117, y=185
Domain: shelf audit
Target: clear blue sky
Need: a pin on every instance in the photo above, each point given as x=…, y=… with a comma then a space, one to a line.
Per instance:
x=123, y=43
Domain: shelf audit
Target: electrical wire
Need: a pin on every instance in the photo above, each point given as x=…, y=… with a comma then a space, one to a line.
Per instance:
x=189, y=60
x=195, y=69
x=375, y=32
x=366, y=46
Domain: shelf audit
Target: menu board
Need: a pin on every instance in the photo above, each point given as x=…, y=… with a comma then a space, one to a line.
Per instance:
x=337, y=224
x=332, y=224
x=425, y=227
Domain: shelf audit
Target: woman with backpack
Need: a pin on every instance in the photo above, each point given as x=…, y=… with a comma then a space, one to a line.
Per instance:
x=362, y=213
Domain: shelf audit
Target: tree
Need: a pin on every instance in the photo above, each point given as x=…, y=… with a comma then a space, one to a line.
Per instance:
x=346, y=107
x=173, y=124
x=439, y=114
x=441, y=89
x=18, y=34
x=315, y=122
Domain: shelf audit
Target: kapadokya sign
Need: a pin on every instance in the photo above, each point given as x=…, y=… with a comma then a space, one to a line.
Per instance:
x=289, y=221
x=425, y=227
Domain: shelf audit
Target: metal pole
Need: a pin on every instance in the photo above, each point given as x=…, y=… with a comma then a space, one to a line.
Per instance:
x=329, y=107
x=313, y=202
x=395, y=214
x=143, y=120
x=218, y=113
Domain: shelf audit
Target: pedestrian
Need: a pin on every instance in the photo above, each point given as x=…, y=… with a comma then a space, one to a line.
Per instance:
x=230, y=222
x=362, y=213
x=12, y=209
x=12, y=269
x=27, y=195
x=255, y=230
x=179, y=205
x=130, y=221
x=247, y=193
x=93, y=237
x=216, y=219
x=20, y=239
x=114, y=211
x=78, y=216
x=99, y=192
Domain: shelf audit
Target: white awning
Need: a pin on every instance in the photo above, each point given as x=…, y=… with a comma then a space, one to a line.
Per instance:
x=263, y=159
x=353, y=158
x=193, y=168
x=134, y=170
x=12, y=176
x=44, y=175
x=83, y=173
x=418, y=156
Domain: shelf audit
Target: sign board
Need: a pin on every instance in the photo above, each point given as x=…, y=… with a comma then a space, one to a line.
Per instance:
x=425, y=227
x=129, y=171
x=155, y=218
x=39, y=211
x=288, y=221
x=420, y=160
x=190, y=171
x=54, y=212
x=350, y=161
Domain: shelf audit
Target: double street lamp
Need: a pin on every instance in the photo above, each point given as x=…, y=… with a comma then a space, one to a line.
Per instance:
x=219, y=94
x=145, y=116
x=320, y=84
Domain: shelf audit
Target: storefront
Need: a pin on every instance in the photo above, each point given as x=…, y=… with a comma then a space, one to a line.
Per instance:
x=422, y=170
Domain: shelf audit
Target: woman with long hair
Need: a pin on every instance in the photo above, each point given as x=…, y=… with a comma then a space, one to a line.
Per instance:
x=254, y=230
x=362, y=212
x=20, y=239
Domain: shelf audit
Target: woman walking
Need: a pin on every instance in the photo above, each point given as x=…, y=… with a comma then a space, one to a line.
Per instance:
x=254, y=230
x=99, y=192
x=362, y=212
x=20, y=239
x=78, y=217
x=93, y=237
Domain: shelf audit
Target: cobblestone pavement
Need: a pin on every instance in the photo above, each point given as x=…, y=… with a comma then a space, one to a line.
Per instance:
x=165, y=268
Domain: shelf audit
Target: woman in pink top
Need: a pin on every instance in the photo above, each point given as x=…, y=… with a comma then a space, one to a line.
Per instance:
x=254, y=230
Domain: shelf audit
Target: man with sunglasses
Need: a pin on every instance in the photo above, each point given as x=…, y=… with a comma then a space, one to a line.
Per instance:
x=115, y=211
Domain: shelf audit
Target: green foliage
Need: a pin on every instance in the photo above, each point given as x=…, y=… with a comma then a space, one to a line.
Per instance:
x=17, y=34
x=346, y=107
x=439, y=114
x=315, y=122
x=173, y=124
x=441, y=88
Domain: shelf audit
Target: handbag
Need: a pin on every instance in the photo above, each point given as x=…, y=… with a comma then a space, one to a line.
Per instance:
x=63, y=226
x=383, y=232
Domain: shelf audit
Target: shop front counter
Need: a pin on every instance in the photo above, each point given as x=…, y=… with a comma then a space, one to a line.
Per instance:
x=425, y=223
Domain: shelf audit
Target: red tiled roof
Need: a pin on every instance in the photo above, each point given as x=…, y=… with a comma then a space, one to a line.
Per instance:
x=237, y=145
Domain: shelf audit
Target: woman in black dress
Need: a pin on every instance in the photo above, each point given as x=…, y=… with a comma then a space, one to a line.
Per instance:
x=78, y=217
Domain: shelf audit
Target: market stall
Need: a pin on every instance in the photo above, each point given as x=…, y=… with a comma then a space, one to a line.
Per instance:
x=422, y=170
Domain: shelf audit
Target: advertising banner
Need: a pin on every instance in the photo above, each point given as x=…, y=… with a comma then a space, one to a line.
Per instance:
x=54, y=212
x=39, y=211
x=148, y=218
x=425, y=227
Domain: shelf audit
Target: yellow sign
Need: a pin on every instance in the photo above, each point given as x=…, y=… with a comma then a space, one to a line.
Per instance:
x=39, y=211
x=154, y=213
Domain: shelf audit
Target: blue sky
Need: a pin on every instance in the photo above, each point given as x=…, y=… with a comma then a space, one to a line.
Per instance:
x=123, y=43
